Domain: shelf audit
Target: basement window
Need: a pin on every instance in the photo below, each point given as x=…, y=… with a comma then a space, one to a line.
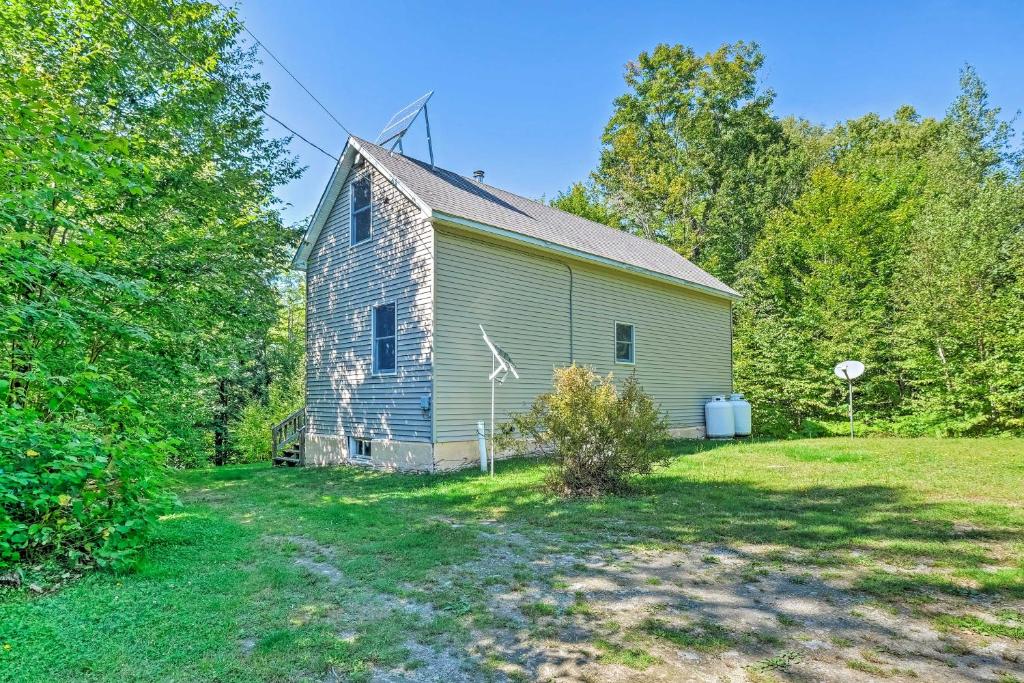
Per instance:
x=359, y=449
x=624, y=343
x=360, y=204
x=384, y=338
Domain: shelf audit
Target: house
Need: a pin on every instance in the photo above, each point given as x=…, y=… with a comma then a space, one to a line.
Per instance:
x=404, y=261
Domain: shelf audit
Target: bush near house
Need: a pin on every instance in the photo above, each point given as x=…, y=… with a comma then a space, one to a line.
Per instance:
x=71, y=494
x=599, y=435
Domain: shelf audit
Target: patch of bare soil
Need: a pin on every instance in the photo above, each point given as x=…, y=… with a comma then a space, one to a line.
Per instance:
x=711, y=613
x=539, y=610
x=428, y=662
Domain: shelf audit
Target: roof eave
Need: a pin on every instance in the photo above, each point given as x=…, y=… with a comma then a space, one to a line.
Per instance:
x=323, y=208
x=319, y=217
x=582, y=255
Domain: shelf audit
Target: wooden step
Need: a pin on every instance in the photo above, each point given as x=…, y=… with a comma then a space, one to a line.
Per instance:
x=291, y=456
x=287, y=439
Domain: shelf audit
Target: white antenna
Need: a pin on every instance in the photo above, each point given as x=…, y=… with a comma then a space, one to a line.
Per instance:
x=501, y=366
x=849, y=370
x=399, y=125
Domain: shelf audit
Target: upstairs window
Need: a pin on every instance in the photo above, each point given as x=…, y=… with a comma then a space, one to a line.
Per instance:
x=360, y=203
x=384, y=338
x=625, y=345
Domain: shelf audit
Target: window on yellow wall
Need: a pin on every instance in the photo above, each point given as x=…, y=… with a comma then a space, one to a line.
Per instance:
x=625, y=343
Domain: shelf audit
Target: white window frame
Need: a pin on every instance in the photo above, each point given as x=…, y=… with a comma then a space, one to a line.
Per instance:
x=632, y=343
x=352, y=210
x=373, y=339
x=355, y=443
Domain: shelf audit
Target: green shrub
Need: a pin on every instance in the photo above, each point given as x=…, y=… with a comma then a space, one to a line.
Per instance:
x=71, y=495
x=250, y=433
x=599, y=435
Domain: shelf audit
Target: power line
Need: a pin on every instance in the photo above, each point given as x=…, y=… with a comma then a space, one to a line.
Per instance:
x=297, y=134
x=288, y=71
x=261, y=109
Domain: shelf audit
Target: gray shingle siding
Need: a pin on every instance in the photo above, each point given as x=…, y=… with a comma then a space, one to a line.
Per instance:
x=344, y=283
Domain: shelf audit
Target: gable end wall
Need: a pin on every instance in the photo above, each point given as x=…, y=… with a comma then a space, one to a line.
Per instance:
x=343, y=397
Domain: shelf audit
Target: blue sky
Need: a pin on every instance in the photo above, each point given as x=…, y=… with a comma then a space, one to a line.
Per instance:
x=523, y=90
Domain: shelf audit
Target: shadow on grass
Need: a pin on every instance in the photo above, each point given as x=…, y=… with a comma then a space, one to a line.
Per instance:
x=823, y=523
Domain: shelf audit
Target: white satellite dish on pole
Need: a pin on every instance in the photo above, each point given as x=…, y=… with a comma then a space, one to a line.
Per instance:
x=849, y=370
x=501, y=366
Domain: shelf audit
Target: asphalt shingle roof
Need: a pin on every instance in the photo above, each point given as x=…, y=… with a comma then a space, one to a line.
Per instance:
x=450, y=193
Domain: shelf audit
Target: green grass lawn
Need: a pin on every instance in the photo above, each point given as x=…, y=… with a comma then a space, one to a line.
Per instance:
x=294, y=574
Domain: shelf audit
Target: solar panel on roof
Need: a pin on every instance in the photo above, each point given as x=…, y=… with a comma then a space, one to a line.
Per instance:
x=391, y=135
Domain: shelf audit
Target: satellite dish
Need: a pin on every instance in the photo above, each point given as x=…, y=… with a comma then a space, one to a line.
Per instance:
x=849, y=369
x=501, y=366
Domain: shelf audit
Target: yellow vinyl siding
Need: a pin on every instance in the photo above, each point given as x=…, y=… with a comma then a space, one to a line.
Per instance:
x=682, y=353
x=523, y=302
x=521, y=295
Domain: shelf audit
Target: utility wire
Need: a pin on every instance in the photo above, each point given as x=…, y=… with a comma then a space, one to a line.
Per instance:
x=288, y=71
x=125, y=13
x=298, y=134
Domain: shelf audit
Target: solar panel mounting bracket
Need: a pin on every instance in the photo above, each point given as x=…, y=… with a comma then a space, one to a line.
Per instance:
x=396, y=128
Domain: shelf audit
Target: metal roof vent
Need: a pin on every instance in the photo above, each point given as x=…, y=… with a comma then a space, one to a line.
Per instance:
x=478, y=176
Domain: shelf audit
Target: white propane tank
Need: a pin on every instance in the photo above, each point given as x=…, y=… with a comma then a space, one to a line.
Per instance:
x=740, y=414
x=719, y=419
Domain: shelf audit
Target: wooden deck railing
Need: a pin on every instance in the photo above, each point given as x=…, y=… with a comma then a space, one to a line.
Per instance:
x=288, y=431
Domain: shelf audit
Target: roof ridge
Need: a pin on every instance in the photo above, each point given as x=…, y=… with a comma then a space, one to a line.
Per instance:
x=548, y=207
x=451, y=193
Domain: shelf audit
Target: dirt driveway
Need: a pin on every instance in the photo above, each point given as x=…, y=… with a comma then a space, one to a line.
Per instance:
x=705, y=613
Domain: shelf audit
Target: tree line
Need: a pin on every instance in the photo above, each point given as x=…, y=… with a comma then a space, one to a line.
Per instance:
x=144, y=295
x=897, y=241
x=148, y=319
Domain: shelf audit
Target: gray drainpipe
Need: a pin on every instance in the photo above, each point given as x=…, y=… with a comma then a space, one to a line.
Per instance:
x=572, y=355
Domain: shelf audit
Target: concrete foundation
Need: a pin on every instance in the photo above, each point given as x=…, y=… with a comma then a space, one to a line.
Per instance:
x=385, y=454
x=697, y=432
x=324, y=451
x=402, y=456
x=420, y=456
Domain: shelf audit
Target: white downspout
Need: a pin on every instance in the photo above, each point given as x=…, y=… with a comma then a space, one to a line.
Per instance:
x=481, y=438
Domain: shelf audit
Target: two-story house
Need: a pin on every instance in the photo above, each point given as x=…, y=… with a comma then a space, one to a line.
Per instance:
x=405, y=261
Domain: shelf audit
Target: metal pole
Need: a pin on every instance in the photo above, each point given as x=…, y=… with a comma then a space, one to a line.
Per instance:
x=850, y=383
x=492, y=415
x=430, y=145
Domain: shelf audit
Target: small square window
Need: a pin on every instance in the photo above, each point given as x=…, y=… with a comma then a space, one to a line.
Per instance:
x=624, y=343
x=361, y=203
x=359, y=450
x=384, y=339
